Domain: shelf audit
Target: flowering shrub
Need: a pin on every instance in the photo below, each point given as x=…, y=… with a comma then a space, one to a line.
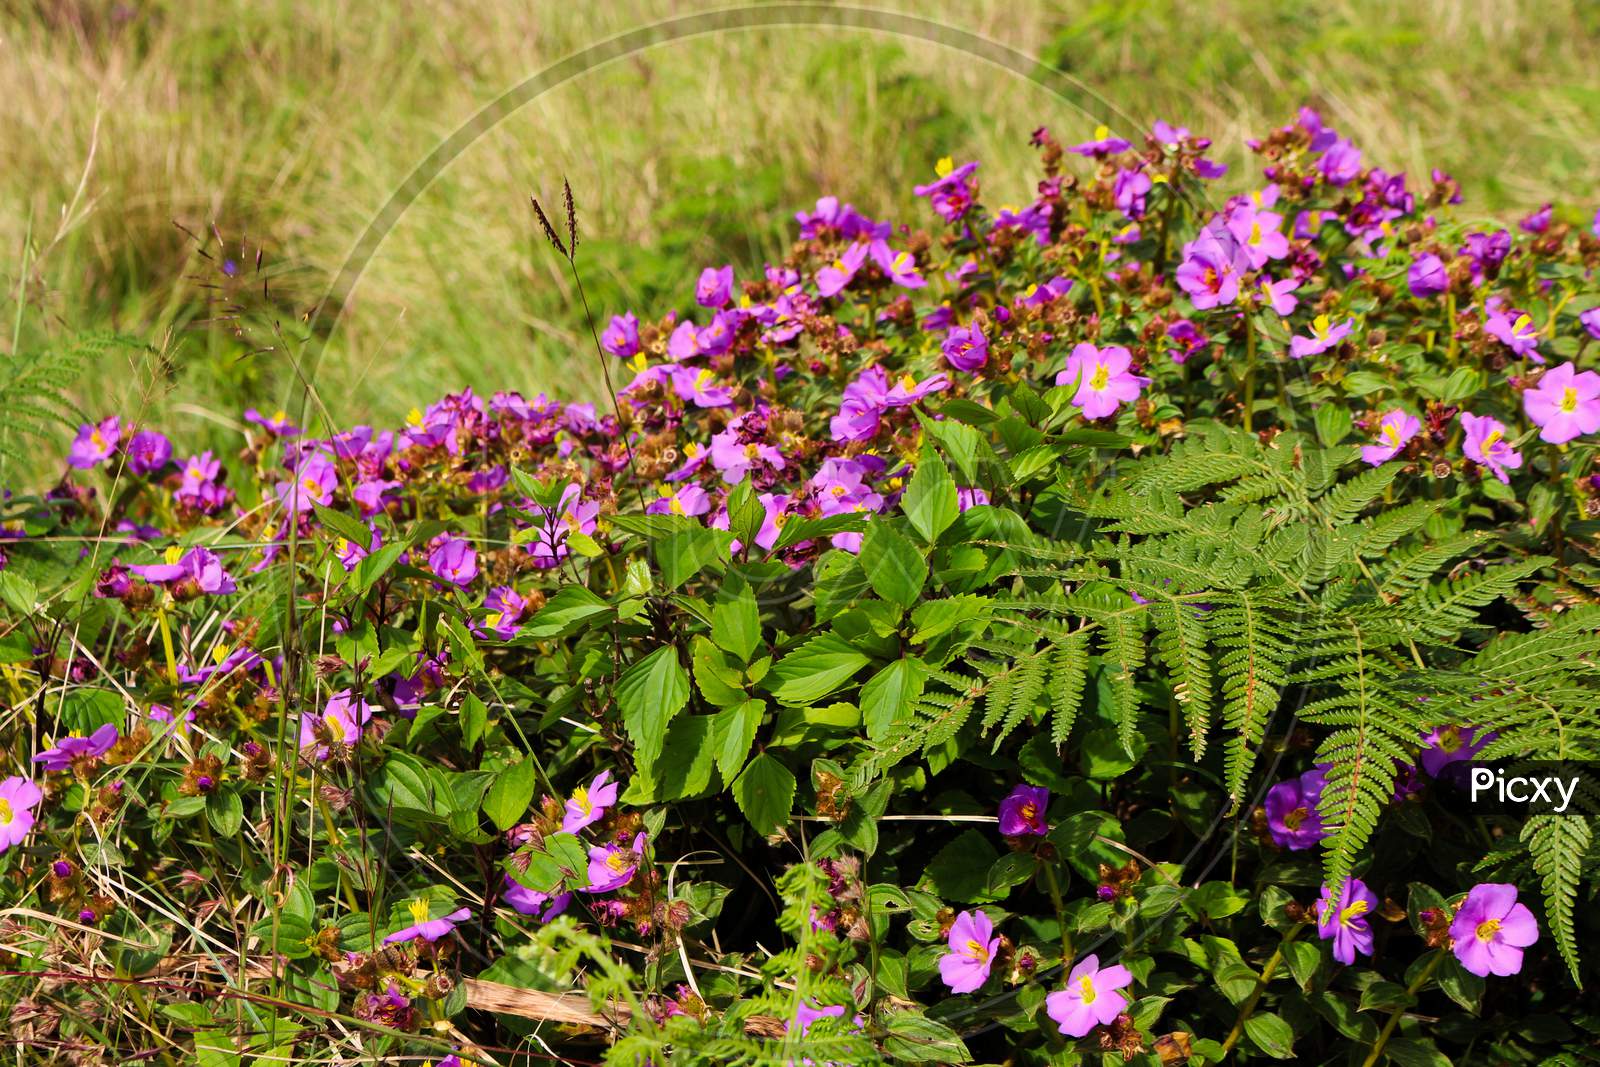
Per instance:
x=1061, y=630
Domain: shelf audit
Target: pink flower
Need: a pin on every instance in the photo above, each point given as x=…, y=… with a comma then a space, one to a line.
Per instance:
x=531, y=902
x=338, y=723
x=1103, y=379
x=1394, y=431
x=612, y=866
x=899, y=267
x=1491, y=929
x=966, y=966
x=426, y=928
x=1090, y=999
x=1023, y=811
x=838, y=274
x=684, y=500
x=18, y=797
x=588, y=804
x=1565, y=404
x=313, y=482
x=1345, y=924
x=699, y=387
x=454, y=560
x=1487, y=446
x=1515, y=330
x=621, y=337
x=95, y=443
x=69, y=749
x=1324, y=335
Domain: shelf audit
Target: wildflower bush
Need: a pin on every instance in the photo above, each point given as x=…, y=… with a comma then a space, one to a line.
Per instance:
x=1039, y=634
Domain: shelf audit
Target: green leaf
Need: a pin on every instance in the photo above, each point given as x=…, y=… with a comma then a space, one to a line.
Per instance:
x=733, y=732
x=225, y=811
x=914, y=1038
x=1270, y=1034
x=736, y=623
x=1304, y=959
x=570, y=608
x=684, y=769
x=815, y=669
x=894, y=567
x=719, y=683
x=1334, y=423
x=19, y=594
x=375, y=566
x=930, y=500
x=887, y=697
x=345, y=526
x=474, y=717
x=960, y=870
x=765, y=793
x=510, y=794
x=650, y=693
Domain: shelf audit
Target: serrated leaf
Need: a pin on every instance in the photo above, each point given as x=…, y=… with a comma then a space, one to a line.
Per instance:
x=765, y=793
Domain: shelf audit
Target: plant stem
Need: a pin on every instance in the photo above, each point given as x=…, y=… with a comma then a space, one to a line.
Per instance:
x=1249, y=372
x=1261, y=987
x=166, y=644
x=1394, y=1017
x=1061, y=911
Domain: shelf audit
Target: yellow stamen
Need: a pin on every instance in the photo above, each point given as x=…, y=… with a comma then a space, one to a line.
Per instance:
x=1569, y=400
x=944, y=167
x=7, y=813
x=173, y=553
x=1487, y=929
x=1352, y=911
x=1086, y=984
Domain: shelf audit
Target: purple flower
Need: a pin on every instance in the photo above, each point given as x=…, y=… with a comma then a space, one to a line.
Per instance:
x=1022, y=812
x=1259, y=233
x=338, y=723
x=1188, y=337
x=1565, y=404
x=966, y=966
x=426, y=928
x=453, y=559
x=1486, y=445
x=1345, y=923
x=18, y=798
x=1103, y=379
x=1341, y=164
x=1292, y=817
x=1039, y=295
x=277, y=424
x=1396, y=428
x=1034, y=219
x=805, y=1014
x=715, y=287
x=148, y=451
x=612, y=866
x=531, y=902
x=965, y=348
x=1427, y=276
x=1090, y=998
x=1101, y=145
x=199, y=564
x=573, y=515
x=1538, y=222
x=1324, y=335
x=69, y=749
x=1591, y=321
x=950, y=196
x=1515, y=330
x=1491, y=929
x=505, y=607
x=588, y=804
x=1128, y=192
x=1487, y=251
x=1452, y=744
x=621, y=337
x=95, y=443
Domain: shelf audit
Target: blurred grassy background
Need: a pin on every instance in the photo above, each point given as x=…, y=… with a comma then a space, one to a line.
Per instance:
x=284, y=124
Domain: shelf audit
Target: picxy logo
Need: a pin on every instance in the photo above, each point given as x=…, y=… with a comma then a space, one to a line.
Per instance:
x=1524, y=789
